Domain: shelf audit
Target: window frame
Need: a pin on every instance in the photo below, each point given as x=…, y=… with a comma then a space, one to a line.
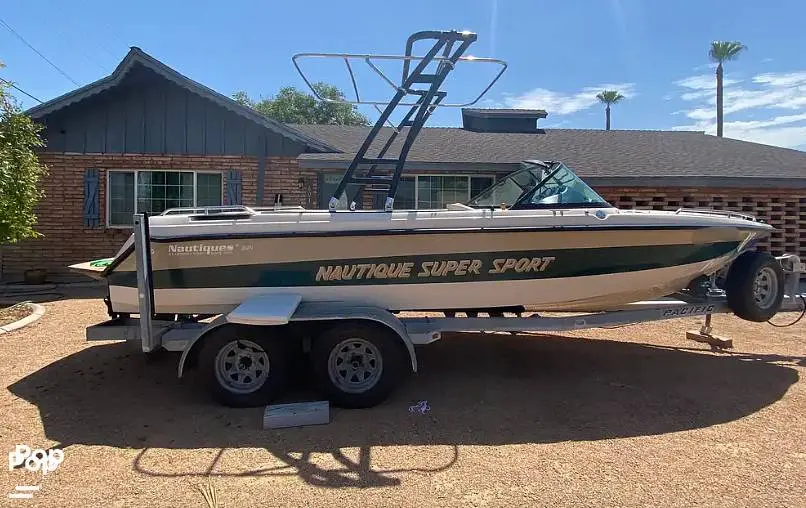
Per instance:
x=465, y=175
x=108, y=189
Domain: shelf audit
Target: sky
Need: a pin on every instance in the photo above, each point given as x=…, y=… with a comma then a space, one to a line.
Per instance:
x=559, y=54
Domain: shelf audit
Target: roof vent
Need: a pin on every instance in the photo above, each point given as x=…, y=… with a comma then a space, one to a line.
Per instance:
x=501, y=120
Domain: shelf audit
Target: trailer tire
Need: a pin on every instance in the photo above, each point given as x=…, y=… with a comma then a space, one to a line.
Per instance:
x=755, y=286
x=244, y=366
x=378, y=363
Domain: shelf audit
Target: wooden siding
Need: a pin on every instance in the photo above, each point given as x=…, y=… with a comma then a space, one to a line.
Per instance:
x=148, y=114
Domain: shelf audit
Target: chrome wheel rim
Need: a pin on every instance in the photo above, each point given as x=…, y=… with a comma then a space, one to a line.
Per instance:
x=241, y=366
x=765, y=287
x=355, y=365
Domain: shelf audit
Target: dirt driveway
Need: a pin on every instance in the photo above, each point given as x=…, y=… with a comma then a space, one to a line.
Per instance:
x=632, y=416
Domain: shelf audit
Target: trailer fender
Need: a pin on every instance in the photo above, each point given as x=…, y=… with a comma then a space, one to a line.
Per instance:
x=265, y=310
x=338, y=311
x=191, y=349
x=258, y=310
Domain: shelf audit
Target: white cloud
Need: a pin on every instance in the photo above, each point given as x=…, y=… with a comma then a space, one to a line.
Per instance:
x=555, y=125
x=774, y=131
x=699, y=94
x=565, y=103
x=702, y=82
x=702, y=67
x=764, y=96
x=700, y=113
x=778, y=120
x=787, y=137
x=781, y=79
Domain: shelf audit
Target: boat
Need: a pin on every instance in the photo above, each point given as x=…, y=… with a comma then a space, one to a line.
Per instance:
x=539, y=238
x=558, y=247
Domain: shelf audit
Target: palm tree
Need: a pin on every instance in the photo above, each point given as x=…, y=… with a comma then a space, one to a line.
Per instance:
x=609, y=97
x=722, y=51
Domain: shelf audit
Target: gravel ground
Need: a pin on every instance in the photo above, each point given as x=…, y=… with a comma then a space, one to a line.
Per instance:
x=11, y=314
x=632, y=416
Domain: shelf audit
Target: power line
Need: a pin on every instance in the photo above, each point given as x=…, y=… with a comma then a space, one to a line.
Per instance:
x=20, y=37
x=12, y=85
x=56, y=8
x=112, y=33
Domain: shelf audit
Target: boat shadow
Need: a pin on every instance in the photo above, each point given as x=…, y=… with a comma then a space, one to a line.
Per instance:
x=50, y=292
x=483, y=389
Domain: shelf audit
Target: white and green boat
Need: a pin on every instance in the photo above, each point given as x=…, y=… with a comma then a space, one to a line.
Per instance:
x=540, y=238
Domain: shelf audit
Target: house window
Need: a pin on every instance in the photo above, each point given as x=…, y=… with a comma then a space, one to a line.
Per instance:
x=140, y=191
x=208, y=189
x=330, y=182
x=438, y=191
x=406, y=197
x=419, y=191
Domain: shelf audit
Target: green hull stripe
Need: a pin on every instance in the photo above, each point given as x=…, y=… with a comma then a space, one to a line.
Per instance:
x=473, y=267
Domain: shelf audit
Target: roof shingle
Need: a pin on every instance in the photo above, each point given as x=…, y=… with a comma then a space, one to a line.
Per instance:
x=591, y=153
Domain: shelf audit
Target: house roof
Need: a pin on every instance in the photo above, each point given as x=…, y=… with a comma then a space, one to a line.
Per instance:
x=684, y=156
x=136, y=56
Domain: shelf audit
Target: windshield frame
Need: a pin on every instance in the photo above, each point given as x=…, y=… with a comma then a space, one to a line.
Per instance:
x=526, y=197
x=550, y=169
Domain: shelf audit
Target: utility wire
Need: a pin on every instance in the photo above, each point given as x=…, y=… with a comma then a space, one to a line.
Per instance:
x=112, y=33
x=12, y=85
x=20, y=37
x=56, y=9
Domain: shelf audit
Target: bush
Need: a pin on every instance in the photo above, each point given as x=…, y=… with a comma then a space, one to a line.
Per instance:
x=20, y=171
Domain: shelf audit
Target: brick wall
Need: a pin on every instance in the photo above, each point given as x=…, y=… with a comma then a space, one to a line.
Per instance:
x=297, y=186
x=785, y=209
x=60, y=214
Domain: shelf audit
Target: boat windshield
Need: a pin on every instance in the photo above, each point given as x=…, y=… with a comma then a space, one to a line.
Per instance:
x=540, y=186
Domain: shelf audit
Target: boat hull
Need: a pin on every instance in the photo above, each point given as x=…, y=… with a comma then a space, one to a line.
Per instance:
x=576, y=269
x=581, y=293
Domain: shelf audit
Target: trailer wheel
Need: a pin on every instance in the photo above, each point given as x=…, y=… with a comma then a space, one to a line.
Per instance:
x=358, y=364
x=244, y=366
x=755, y=286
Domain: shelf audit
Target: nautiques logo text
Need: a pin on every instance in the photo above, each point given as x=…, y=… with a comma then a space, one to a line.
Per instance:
x=200, y=249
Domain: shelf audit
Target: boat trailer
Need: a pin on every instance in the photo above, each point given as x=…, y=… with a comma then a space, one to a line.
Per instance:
x=276, y=314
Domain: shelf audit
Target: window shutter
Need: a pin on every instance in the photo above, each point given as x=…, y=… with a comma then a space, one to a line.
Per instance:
x=233, y=187
x=91, y=199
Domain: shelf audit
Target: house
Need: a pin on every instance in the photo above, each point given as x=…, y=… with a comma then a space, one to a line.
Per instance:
x=147, y=138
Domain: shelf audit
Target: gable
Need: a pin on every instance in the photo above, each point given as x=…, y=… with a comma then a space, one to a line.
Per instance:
x=144, y=106
x=146, y=113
